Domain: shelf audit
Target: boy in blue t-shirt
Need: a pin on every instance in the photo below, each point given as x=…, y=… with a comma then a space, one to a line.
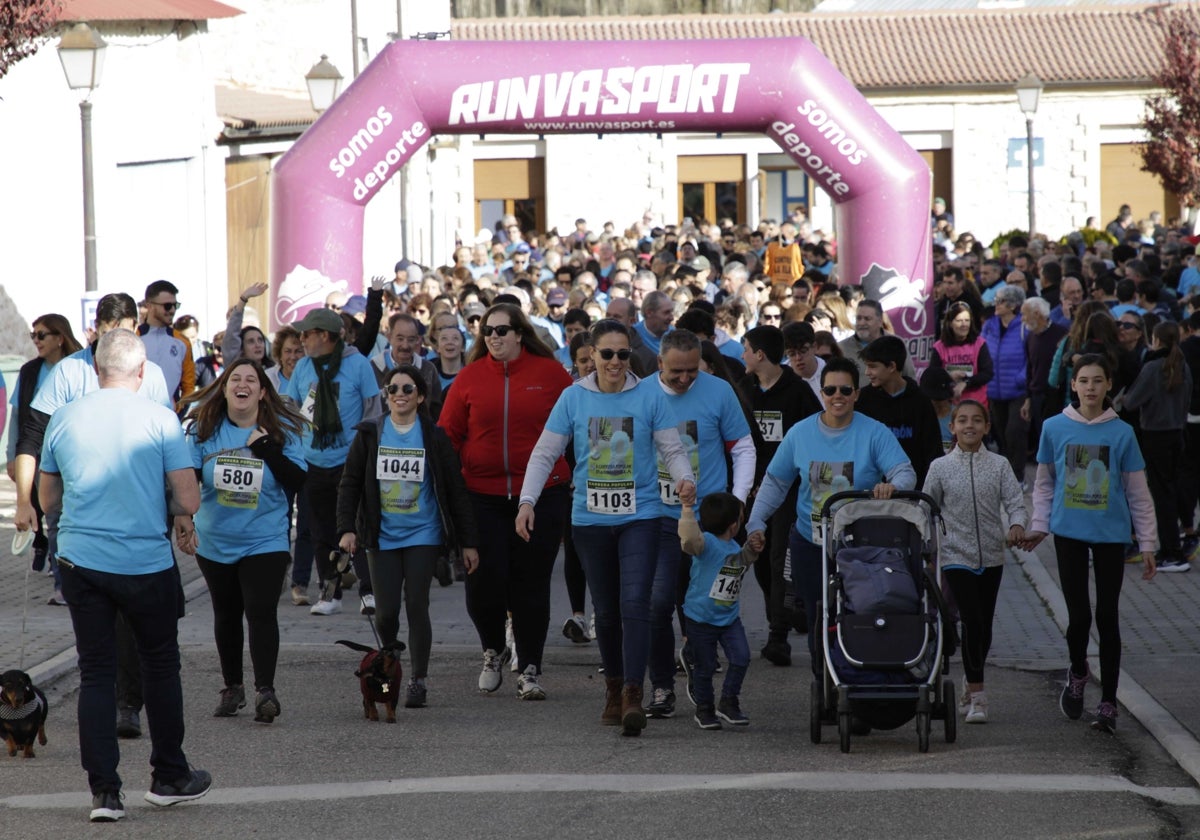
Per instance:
x=711, y=605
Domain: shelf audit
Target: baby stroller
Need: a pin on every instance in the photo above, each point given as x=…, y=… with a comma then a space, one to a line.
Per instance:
x=887, y=639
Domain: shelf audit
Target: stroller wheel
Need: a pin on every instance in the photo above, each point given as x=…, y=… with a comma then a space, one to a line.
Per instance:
x=923, y=732
x=816, y=710
x=951, y=719
x=844, y=731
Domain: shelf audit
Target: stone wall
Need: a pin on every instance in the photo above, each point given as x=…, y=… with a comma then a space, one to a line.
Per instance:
x=14, y=330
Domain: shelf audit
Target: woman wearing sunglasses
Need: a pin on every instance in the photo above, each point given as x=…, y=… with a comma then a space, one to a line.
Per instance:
x=402, y=497
x=620, y=431
x=830, y=452
x=493, y=415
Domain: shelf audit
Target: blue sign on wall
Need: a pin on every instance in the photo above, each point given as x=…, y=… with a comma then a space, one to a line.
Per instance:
x=1016, y=152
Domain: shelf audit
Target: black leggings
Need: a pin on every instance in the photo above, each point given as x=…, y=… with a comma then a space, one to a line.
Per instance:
x=514, y=575
x=1108, y=561
x=573, y=572
x=1163, y=452
x=249, y=587
x=976, y=596
x=408, y=570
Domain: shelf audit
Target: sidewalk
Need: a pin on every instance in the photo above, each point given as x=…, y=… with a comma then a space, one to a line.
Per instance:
x=1161, y=623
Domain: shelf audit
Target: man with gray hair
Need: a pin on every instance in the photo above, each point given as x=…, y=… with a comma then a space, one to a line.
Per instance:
x=1041, y=342
x=116, y=557
x=868, y=326
x=658, y=313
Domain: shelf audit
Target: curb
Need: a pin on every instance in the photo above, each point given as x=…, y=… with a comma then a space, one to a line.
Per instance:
x=1174, y=737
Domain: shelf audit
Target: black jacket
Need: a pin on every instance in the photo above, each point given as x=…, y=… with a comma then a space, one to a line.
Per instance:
x=358, y=504
x=909, y=416
x=791, y=397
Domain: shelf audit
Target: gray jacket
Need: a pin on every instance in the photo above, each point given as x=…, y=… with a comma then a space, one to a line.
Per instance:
x=971, y=488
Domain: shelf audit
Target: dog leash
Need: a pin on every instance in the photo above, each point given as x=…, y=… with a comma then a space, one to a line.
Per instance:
x=24, y=614
x=374, y=632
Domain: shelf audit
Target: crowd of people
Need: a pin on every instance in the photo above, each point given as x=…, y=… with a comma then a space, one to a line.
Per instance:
x=669, y=404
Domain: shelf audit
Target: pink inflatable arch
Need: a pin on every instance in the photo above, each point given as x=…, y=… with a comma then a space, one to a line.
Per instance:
x=782, y=87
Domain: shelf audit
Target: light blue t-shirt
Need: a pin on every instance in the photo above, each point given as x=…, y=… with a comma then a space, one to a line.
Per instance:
x=243, y=508
x=408, y=505
x=113, y=450
x=654, y=342
x=707, y=416
x=616, y=465
x=75, y=376
x=354, y=383
x=714, y=589
x=829, y=461
x=1089, y=494
x=1189, y=281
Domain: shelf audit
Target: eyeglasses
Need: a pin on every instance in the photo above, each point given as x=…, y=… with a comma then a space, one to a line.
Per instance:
x=38, y=335
x=500, y=329
x=403, y=389
x=844, y=390
x=170, y=307
x=607, y=353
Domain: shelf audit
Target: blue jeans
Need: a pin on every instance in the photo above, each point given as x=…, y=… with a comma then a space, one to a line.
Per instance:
x=806, y=580
x=703, y=640
x=663, y=598
x=619, y=562
x=302, y=550
x=150, y=604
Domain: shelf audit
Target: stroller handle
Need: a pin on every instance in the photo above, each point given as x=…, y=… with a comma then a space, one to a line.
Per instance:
x=909, y=495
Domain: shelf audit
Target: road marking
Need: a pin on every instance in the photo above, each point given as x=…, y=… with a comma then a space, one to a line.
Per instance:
x=659, y=784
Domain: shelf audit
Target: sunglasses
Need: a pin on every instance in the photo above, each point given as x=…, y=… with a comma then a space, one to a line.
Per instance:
x=170, y=307
x=38, y=335
x=1125, y=325
x=500, y=329
x=844, y=390
x=403, y=389
x=766, y=317
x=607, y=353
x=474, y=319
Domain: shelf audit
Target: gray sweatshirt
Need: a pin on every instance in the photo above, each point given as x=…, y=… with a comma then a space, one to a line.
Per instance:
x=1161, y=410
x=971, y=488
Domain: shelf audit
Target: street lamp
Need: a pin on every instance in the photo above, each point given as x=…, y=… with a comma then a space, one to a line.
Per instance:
x=1029, y=90
x=324, y=84
x=81, y=52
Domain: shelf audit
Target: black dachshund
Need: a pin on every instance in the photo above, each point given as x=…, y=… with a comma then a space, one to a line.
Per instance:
x=23, y=710
x=379, y=677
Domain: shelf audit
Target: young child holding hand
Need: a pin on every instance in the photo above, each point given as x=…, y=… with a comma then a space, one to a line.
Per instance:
x=711, y=605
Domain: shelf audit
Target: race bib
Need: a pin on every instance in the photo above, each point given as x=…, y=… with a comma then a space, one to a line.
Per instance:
x=770, y=423
x=394, y=464
x=309, y=407
x=611, y=498
x=727, y=585
x=667, y=491
x=610, y=489
x=238, y=481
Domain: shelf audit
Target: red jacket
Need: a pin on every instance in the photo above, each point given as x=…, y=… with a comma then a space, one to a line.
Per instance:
x=494, y=415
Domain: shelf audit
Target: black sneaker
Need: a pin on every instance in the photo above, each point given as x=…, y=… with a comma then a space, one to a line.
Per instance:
x=687, y=666
x=1106, y=718
x=415, y=697
x=266, y=706
x=706, y=718
x=662, y=704
x=1071, y=699
x=107, y=807
x=129, y=724
x=233, y=697
x=777, y=652
x=190, y=787
x=730, y=711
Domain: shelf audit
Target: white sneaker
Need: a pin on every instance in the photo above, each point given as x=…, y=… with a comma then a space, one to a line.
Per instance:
x=490, y=677
x=592, y=626
x=368, y=605
x=510, y=641
x=324, y=607
x=527, y=685
x=978, y=713
x=575, y=629
x=964, y=702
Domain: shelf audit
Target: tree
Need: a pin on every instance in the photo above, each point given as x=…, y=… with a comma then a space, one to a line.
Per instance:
x=23, y=28
x=1172, y=120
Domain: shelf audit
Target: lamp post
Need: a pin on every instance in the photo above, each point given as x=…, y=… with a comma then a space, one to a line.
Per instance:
x=1029, y=90
x=81, y=52
x=324, y=84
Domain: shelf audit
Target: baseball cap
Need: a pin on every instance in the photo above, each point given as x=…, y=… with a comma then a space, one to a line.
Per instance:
x=937, y=384
x=356, y=305
x=320, y=319
x=556, y=297
x=473, y=309
x=402, y=265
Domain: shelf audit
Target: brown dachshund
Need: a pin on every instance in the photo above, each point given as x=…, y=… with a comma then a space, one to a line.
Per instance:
x=23, y=711
x=379, y=677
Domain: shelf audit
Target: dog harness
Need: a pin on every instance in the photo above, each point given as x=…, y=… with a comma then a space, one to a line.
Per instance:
x=9, y=713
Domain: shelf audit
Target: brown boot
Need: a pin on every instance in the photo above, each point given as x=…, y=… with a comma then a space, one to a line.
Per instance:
x=633, y=716
x=611, y=716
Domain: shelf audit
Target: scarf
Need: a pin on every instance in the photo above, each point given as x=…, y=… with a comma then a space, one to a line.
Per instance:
x=327, y=422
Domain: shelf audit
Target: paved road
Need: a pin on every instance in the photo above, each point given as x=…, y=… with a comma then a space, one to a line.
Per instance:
x=485, y=766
